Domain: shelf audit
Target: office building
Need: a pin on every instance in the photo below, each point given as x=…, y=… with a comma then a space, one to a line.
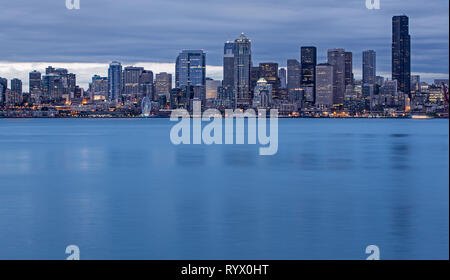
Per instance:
x=369, y=67
x=163, y=85
x=242, y=67
x=324, y=86
x=336, y=58
x=401, y=53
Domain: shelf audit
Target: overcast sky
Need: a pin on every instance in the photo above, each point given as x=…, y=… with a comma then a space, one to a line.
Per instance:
x=35, y=33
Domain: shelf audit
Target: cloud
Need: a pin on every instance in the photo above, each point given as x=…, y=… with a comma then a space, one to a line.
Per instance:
x=156, y=30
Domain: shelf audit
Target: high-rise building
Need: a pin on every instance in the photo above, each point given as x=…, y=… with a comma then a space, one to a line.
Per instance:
x=401, y=53
x=369, y=67
x=308, y=62
x=263, y=94
x=336, y=58
x=35, y=81
x=115, y=81
x=269, y=71
x=16, y=86
x=283, y=78
x=58, y=85
x=294, y=76
x=146, y=84
x=324, y=85
x=348, y=69
x=228, y=65
x=242, y=66
x=3, y=87
x=190, y=69
x=163, y=85
x=131, y=82
x=98, y=88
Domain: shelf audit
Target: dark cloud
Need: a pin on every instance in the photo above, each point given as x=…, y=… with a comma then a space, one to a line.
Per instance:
x=156, y=30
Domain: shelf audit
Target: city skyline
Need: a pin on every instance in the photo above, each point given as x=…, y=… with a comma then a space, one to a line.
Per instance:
x=429, y=27
x=325, y=87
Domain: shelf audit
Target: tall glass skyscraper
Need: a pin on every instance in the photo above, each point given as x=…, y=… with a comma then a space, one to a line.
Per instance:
x=131, y=79
x=190, y=69
x=228, y=65
x=242, y=67
x=308, y=67
x=114, y=81
x=348, y=69
x=269, y=71
x=294, y=76
x=369, y=67
x=35, y=81
x=325, y=86
x=336, y=58
x=401, y=53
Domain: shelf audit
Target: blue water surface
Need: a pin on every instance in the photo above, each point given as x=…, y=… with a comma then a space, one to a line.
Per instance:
x=119, y=189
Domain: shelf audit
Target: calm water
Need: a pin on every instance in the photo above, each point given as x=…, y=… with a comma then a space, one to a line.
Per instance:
x=120, y=190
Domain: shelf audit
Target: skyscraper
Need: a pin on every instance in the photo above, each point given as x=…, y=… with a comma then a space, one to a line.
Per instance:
x=294, y=76
x=35, y=80
x=263, y=94
x=163, y=85
x=3, y=87
x=131, y=79
x=190, y=68
x=115, y=81
x=336, y=58
x=401, y=53
x=146, y=84
x=98, y=88
x=308, y=67
x=242, y=65
x=369, y=67
x=58, y=84
x=269, y=71
x=324, y=85
x=16, y=86
x=348, y=69
x=228, y=65
x=282, y=75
